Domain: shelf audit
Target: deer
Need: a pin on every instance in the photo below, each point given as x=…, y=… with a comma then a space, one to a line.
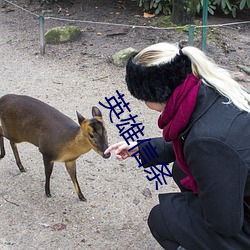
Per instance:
x=58, y=138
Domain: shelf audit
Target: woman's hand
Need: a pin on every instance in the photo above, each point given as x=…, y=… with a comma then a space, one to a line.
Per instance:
x=121, y=149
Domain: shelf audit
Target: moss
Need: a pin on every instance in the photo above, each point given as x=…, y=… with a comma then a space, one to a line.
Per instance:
x=163, y=22
x=121, y=58
x=63, y=34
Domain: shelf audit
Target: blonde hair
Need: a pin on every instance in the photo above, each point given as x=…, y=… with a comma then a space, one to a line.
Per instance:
x=203, y=67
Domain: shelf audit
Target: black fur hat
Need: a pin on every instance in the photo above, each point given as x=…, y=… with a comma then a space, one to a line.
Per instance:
x=156, y=83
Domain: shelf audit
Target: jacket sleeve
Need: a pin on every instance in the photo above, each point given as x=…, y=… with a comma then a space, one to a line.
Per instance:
x=220, y=173
x=164, y=150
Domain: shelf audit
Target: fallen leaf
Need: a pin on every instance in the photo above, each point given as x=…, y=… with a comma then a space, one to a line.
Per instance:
x=147, y=15
x=58, y=227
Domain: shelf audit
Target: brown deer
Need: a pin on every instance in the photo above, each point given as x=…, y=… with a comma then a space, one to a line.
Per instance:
x=59, y=138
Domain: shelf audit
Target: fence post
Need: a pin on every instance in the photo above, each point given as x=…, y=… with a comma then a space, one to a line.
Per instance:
x=204, y=24
x=191, y=35
x=42, y=31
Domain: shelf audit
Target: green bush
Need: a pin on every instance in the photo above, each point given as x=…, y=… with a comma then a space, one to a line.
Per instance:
x=165, y=6
x=211, y=7
x=156, y=6
x=232, y=6
x=47, y=1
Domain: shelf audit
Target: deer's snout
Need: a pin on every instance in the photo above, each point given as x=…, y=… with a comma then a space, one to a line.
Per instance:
x=106, y=156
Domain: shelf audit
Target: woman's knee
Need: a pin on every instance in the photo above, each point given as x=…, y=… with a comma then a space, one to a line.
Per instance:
x=159, y=229
x=153, y=218
x=156, y=223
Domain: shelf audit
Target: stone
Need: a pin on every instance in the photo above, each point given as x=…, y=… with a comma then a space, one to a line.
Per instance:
x=63, y=34
x=147, y=193
x=121, y=58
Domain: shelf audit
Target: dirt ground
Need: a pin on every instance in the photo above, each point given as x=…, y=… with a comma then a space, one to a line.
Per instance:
x=76, y=76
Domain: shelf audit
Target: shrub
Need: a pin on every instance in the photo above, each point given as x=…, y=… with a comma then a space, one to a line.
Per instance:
x=47, y=1
x=157, y=6
x=165, y=6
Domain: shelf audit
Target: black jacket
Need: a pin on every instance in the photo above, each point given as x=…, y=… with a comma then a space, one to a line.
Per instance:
x=216, y=145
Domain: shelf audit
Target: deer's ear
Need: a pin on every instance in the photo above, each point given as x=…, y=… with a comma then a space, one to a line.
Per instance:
x=80, y=118
x=96, y=111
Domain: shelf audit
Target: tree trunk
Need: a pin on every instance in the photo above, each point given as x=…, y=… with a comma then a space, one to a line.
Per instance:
x=183, y=11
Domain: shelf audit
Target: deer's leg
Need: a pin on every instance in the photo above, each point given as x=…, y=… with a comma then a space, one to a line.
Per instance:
x=1, y=144
x=18, y=161
x=71, y=168
x=48, y=165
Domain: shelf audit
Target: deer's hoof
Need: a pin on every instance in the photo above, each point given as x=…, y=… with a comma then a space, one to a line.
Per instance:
x=82, y=198
x=48, y=195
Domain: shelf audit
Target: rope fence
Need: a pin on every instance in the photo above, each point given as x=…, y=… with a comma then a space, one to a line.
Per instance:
x=19, y=7
x=191, y=28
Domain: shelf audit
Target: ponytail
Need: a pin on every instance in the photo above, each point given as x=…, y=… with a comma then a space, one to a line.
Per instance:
x=218, y=78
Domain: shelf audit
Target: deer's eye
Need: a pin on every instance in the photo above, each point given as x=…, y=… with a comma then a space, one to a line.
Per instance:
x=91, y=136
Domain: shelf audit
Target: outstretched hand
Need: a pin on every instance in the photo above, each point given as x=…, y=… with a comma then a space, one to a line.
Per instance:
x=121, y=149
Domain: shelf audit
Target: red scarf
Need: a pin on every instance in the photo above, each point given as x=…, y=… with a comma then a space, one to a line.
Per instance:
x=174, y=119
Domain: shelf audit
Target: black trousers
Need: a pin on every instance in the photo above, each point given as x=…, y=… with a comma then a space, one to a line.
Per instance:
x=156, y=222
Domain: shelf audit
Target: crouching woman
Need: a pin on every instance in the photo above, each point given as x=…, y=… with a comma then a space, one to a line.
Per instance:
x=205, y=120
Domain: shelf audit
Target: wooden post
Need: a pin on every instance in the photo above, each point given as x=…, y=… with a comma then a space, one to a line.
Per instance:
x=42, y=31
